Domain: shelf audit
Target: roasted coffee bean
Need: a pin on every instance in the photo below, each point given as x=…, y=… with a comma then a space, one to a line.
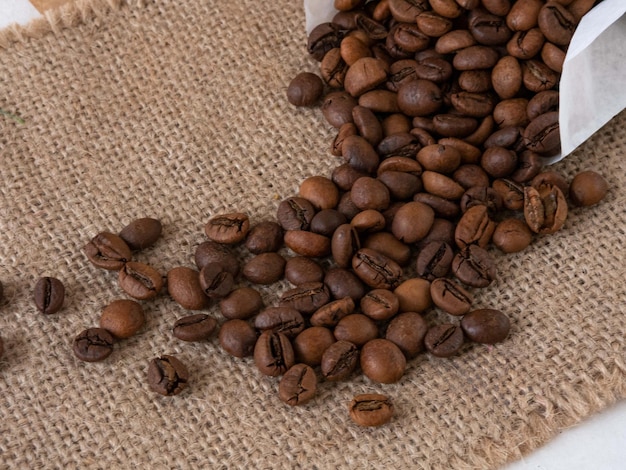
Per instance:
x=183, y=285
x=401, y=185
x=452, y=125
x=545, y=210
x=556, y=23
x=441, y=207
x=273, y=353
x=319, y=191
x=511, y=113
x=237, y=338
x=407, y=331
x=329, y=315
x=587, y=188
x=215, y=281
x=371, y=409
x=298, y=385
x=497, y=7
x=407, y=10
x=475, y=57
x=360, y=154
x=543, y=102
x=241, y=303
x=306, y=298
x=305, y=89
x=339, y=360
x=474, y=227
x=486, y=325
x=526, y=44
x=167, y=375
x=295, y=213
x=488, y=29
x=441, y=185
x=356, y=328
x=375, y=269
x=406, y=38
x=469, y=153
x=529, y=165
x=512, y=235
x=352, y=49
x=372, y=29
x=345, y=175
x=484, y=129
x=412, y=222
x=435, y=69
x=364, y=75
x=454, y=41
x=388, y=245
x=198, y=327
x=141, y=233
x=300, y=270
x=472, y=104
x=469, y=175
x=122, y=318
x=547, y=179
x=382, y=361
x=450, y=297
x=380, y=304
x=370, y=193
x=499, y=162
x=337, y=108
x=49, y=295
x=511, y=193
x=475, y=81
x=284, y=320
x=264, y=237
x=399, y=145
x=323, y=38
x=368, y=221
x=380, y=101
x=442, y=230
x=419, y=98
x=537, y=76
x=336, y=149
x=342, y=283
x=108, y=251
x=212, y=252
x=413, y=295
x=440, y=158
x=508, y=137
x=368, y=125
x=265, y=268
x=140, y=280
x=396, y=123
x=310, y=344
x=482, y=196
x=444, y=340
x=506, y=77
x=91, y=345
x=523, y=15
x=227, y=228
x=434, y=260
x=474, y=266
x=432, y=24
x=306, y=243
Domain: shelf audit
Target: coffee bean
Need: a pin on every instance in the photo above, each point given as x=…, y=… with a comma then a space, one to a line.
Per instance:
x=388, y=245
x=474, y=227
x=285, y=320
x=356, y=328
x=512, y=235
x=342, y=283
x=587, y=188
x=434, y=260
x=345, y=243
x=49, y=295
x=306, y=298
x=167, y=375
x=486, y=326
x=108, y=251
x=90, y=345
x=323, y=38
x=469, y=175
x=375, y=269
x=339, y=360
x=556, y=23
x=382, y=361
x=368, y=221
x=482, y=196
x=326, y=221
x=308, y=244
x=488, y=29
x=545, y=210
x=441, y=207
x=141, y=233
x=295, y=213
x=122, y=318
x=242, y=303
x=212, y=252
x=298, y=385
x=450, y=297
x=510, y=192
x=412, y=222
x=183, y=285
x=419, y=98
x=319, y=191
x=407, y=331
x=546, y=179
x=444, y=340
x=337, y=108
x=474, y=266
x=380, y=304
x=215, y=281
x=371, y=409
x=273, y=353
x=237, y=338
x=310, y=344
x=265, y=268
x=227, y=228
x=140, y=280
x=370, y=193
x=193, y=328
x=264, y=237
x=413, y=295
x=524, y=15
x=364, y=75
x=301, y=270
x=305, y=89
x=543, y=102
x=526, y=44
x=330, y=314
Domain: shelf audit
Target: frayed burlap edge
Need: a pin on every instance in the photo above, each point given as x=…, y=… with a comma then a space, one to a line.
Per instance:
x=66, y=16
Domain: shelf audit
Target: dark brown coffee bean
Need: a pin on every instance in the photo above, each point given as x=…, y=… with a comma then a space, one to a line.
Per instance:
x=122, y=318
x=474, y=266
x=375, y=269
x=450, y=297
x=412, y=222
x=319, y=191
x=497, y=7
x=526, y=44
x=543, y=102
x=265, y=268
x=351, y=49
x=241, y=303
x=212, y=252
x=167, y=375
x=360, y=154
x=305, y=89
x=91, y=345
x=407, y=331
x=401, y=185
x=329, y=315
x=237, y=338
x=388, y=245
x=407, y=10
x=382, y=361
x=433, y=24
x=486, y=325
x=183, y=285
x=529, y=165
x=488, y=29
x=553, y=56
x=141, y=233
x=108, y=251
x=337, y=108
x=368, y=125
x=441, y=185
x=442, y=230
x=306, y=298
x=372, y=29
x=512, y=235
x=444, y=340
x=140, y=280
x=434, y=260
x=215, y=281
x=273, y=354
x=284, y=320
x=264, y=237
x=380, y=304
x=370, y=193
x=454, y=41
x=474, y=58
x=506, y=77
x=298, y=386
x=440, y=158
x=342, y=283
x=469, y=153
x=399, y=145
x=49, y=295
x=308, y=244
x=339, y=360
x=482, y=196
x=198, y=327
x=476, y=105
x=451, y=125
x=336, y=149
x=345, y=175
x=547, y=179
x=545, y=210
x=368, y=221
x=511, y=193
x=356, y=328
x=300, y=270
x=441, y=207
x=475, y=81
x=371, y=409
x=295, y=213
x=435, y=69
x=474, y=227
x=499, y=162
x=413, y=295
x=364, y=75
x=396, y=123
x=537, y=76
x=419, y=98
x=587, y=188
x=406, y=38
x=380, y=101
x=310, y=344
x=509, y=137
x=323, y=38
x=556, y=23
x=523, y=15
x=344, y=244
x=227, y=228
x=469, y=175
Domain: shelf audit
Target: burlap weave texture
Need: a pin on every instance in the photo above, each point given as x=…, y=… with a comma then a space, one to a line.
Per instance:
x=177, y=110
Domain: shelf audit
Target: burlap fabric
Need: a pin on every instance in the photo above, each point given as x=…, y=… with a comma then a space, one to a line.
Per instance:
x=177, y=110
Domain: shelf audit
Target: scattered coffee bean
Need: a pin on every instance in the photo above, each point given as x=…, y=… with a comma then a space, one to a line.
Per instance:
x=237, y=338
x=382, y=361
x=227, y=228
x=49, y=294
x=339, y=360
x=273, y=353
x=183, y=285
x=407, y=331
x=444, y=340
x=450, y=297
x=305, y=89
x=122, y=318
x=285, y=320
x=264, y=237
x=302, y=270
x=167, y=375
x=298, y=385
x=242, y=303
x=587, y=188
x=198, y=327
x=371, y=409
x=486, y=325
x=141, y=233
x=108, y=251
x=140, y=280
x=91, y=345
x=310, y=344
x=216, y=281
x=213, y=252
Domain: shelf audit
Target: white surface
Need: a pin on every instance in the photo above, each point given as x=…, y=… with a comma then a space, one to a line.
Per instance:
x=16, y=11
x=597, y=444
